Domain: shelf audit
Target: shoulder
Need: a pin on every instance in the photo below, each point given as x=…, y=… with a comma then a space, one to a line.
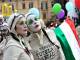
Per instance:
x=12, y=50
x=52, y=36
x=12, y=44
x=14, y=53
x=50, y=32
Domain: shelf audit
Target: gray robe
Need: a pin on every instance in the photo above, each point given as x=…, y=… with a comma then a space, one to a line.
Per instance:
x=45, y=50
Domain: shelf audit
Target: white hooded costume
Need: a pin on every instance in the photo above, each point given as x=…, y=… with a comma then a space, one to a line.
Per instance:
x=15, y=49
x=43, y=47
x=3, y=35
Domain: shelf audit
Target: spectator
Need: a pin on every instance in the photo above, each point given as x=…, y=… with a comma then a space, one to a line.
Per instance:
x=16, y=49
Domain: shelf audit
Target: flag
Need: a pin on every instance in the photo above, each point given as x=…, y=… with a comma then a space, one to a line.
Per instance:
x=68, y=38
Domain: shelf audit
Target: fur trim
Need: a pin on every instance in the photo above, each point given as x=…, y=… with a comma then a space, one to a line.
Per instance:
x=12, y=21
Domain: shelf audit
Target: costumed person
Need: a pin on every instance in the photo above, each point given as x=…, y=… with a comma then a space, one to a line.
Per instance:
x=43, y=42
x=3, y=35
x=16, y=48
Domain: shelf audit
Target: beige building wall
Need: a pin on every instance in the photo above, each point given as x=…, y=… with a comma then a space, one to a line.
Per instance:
x=18, y=4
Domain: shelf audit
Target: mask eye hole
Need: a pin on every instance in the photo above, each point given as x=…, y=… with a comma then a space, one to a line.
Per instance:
x=36, y=19
x=30, y=22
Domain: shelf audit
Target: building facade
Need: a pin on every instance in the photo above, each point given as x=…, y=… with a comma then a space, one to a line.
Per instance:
x=24, y=5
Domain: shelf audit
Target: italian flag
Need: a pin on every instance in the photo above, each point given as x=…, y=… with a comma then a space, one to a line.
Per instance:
x=68, y=38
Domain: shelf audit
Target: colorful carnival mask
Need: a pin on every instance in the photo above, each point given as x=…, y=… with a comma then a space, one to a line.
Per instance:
x=33, y=23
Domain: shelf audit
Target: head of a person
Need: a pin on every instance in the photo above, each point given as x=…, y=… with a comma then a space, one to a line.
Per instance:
x=1, y=19
x=50, y=23
x=34, y=23
x=17, y=24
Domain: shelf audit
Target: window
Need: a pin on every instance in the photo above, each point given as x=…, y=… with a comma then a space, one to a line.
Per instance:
x=30, y=4
x=44, y=5
x=23, y=5
x=44, y=15
x=0, y=8
x=12, y=7
x=52, y=3
x=9, y=0
x=3, y=0
x=13, y=0
x=57, y=1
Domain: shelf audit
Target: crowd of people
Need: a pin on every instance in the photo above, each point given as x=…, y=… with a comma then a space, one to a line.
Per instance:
x=27, y=37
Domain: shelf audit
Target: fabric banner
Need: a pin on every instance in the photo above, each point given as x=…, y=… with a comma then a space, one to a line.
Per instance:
x=72, y=26
x=71, y=39
x=64, y=44
x=68, y=31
